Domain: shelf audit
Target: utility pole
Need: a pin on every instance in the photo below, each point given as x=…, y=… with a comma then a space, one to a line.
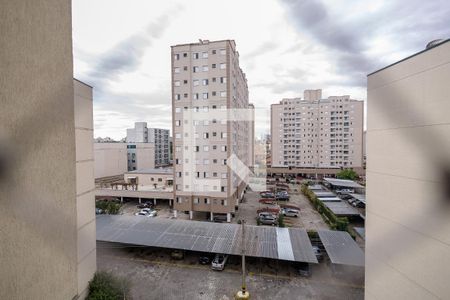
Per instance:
x=243, y=294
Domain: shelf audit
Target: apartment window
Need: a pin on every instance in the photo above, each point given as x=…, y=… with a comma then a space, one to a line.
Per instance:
x=206, y=201
x=205, y=68
x=177, y=123
x=206, y=161
x=214, y=93
x=178, y=135
x=177, y=83
x=205, y=95
x=223, y=80
x=223, y=148
x=206, y=122
x=223, y=188
x=195, y=55
x=205, y=81
x=177, y=148
x=206, y=148
x=195, y=69
x=223, y=202
x=176, y=56
x=213, y=66
x=223, y=51
x=196, y=148
x=204, y=54
x=185, y=68
x=177, y=109
x=206, y=135
x=223, y=94
x=179, y=174
x=223, y=135
x=214, y=52
x=214, y=174
x=224, y=175
x=205, y=108
x=185, y=95
x=196, y=82
x=214, y=79
x=223, y=66
x=195, y=96
x=196, y=200
x=224, y=162
x=184, y=54
x=214, y=161
x=176, y=70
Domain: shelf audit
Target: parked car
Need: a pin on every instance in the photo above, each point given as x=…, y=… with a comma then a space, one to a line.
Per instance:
x=265, y=214
x=98, y=211
x=146, y=210
x=282, y=196
x=219, y=262
x=317, y=253
x=177, y=254
x=268, y=220
x=204, y=260
x=141, y=213
x=220, y=218
x=267, y=195
x=144, y=205
x=345, y=191
x=290, y=212
x=304, y=270
x=152, y=213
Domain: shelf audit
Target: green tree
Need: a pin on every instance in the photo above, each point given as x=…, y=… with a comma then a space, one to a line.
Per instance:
x=347, y=174
x=106, y=286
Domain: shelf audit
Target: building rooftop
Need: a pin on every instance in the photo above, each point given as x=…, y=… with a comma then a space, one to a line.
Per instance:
x=411, y=56
x=152, y=171
x=343, y=183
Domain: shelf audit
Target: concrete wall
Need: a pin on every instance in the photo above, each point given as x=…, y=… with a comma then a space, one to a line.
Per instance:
x=85, y=185
x=38, y=213
x=110, y=159
x=408, y=146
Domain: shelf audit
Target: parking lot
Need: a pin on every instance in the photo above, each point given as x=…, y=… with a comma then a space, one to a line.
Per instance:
x=155, y=275
x=308, y=218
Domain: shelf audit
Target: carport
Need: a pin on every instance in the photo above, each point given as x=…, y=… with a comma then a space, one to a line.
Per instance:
x=290, y=244
x=341, y=248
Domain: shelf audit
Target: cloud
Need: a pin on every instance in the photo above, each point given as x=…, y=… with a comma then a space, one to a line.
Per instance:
x=347, y=39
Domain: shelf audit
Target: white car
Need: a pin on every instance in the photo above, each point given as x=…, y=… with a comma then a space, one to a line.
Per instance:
x=141, y=213
x=153, y=213
x=146, y=210
x=290, y=212
x=219, y=262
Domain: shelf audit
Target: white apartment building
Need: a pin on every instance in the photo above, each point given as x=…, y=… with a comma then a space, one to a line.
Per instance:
x=407, y=215
x=206, y=81
x=317, y=133
x=157, y=136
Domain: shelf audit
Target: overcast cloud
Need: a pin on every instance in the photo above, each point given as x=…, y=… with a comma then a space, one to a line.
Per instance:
x=122, y=48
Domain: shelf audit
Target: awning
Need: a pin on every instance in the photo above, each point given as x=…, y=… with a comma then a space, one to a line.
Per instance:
x=341, y=248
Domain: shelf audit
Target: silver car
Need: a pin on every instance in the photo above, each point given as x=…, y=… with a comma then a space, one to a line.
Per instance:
x=219, y=262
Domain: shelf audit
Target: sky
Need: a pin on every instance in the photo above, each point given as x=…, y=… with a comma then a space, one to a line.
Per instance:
x=122, y=48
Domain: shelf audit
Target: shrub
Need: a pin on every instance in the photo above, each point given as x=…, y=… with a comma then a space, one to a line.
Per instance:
x=347, y=174
x=281, y=220
x=106, y=286
x=108, y=207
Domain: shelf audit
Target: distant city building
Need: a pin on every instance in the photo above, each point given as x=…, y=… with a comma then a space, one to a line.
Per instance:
x=159, y=137
x=106, y=140
x=317, y=133
x=408, y=146
x=206, y=78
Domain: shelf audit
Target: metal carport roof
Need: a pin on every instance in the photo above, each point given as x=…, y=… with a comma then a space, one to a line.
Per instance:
x=341, y=248
x=290, y=244
x=343, y=183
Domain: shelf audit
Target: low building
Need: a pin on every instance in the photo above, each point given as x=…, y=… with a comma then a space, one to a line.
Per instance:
x=110, y=159
x=141, y=156
x=160, y=178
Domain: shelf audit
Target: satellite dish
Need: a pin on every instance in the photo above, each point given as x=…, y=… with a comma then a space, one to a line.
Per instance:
x=434, y=43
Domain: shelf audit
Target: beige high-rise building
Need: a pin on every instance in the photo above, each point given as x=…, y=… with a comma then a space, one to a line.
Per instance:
x=47, y=216
x=206, y=81
x=317, y=133
x=110, y=159
x=408, y=159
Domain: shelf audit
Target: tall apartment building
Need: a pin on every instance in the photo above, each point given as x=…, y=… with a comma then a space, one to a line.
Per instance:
x=46, y=181
x=317, y=133
x=407, y=216
x=159, y=137
x=206, y=81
